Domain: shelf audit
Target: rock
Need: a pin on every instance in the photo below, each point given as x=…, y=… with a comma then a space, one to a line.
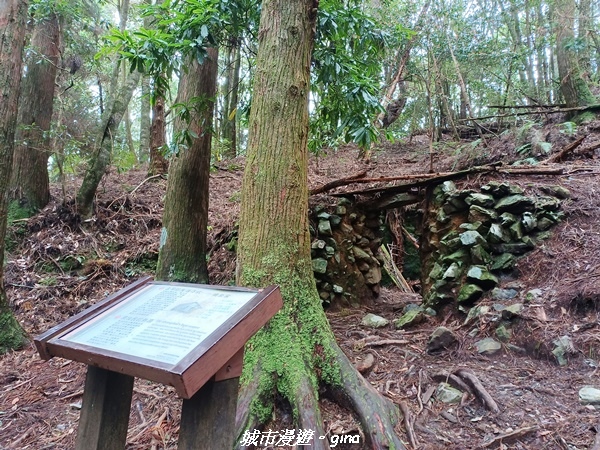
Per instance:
x=329, y=251
x=346, y=229
x=450, y=245
x=515, y=204
x=430, y=312
x=483, y=215
x=373, y=276
x=512, y=311
x=487, y=346
x=504, y=294
x=480, y=276
x=503, y=333
x=471, y=238
x=503, y=262
x=498, y=189
x=529, y=222
x=324, y=227
x=460, y=257
x=363, y=266
x=556, y=191
x=318, y=244
x=544, y=223
x=448, y=187
x=436, y=271
x=497, y=235
x=442, y=217
x=374, y=321
x=319, y=265
x=589, y=395
x=344, y=201
x=479, y=255
x=547, y=203
x=335, y=220
x=365, y=364
x=533, y=295
x=483, y=200
x=340, y=210
x=338, y=289
x=360, y=254
x=516, y=231
x=563, y=346
x=410, y=318
x=469, y=294
x=441, y=339
x=452, y=272
x=474, y=226
x=475, y=312
x=324, y=295
x=507, y=219
x=447, y=394
x=456, y=204
x=528, y=242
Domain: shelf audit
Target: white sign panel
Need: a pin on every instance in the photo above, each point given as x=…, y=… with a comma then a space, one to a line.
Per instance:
x=161, y=322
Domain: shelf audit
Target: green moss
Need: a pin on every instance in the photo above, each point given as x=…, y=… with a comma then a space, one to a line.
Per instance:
x=12, y=336
x=17, y=211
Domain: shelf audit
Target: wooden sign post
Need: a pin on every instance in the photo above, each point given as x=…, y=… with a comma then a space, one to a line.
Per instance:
x=188, y=336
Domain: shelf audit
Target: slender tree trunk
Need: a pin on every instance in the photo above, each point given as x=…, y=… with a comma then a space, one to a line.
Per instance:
x=158, y=138
x=30, y=181
x=182, y=254
x=13, y=14
x=145, y=121
x=296, y=352
x=111, y=120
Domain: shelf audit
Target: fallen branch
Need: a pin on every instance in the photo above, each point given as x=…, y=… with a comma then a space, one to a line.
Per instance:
x=337, y=183
x=478, y=389
x=509, y=435
x=453, y=381
x=410, y=237
x=564, y=152
x=528, y=113
x=387, y=342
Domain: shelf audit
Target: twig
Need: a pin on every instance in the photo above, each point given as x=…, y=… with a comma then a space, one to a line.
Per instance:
x=15, y=444
x=410, y=237
x=337, y=183
x=509, y=435
x=146, y=180
x=454, y=381
x=74, y=394
x=10, y=388
x=478, y=389
x=386, y=342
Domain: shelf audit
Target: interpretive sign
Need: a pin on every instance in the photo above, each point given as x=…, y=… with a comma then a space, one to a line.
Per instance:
x=174, y=333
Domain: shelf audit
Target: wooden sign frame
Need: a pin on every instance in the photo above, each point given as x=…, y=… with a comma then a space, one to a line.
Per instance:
x=218, y=356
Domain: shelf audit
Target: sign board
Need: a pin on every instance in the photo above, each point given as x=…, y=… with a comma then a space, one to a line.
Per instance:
x=173, y=333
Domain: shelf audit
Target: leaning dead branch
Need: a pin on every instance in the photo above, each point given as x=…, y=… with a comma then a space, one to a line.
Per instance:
x=478, y=389
x=337, y=183
x=557, y=157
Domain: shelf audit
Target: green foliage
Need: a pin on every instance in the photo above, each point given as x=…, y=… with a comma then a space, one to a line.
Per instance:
x=568, y=128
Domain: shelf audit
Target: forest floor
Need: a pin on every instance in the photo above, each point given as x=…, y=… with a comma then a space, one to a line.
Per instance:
x=58, y=265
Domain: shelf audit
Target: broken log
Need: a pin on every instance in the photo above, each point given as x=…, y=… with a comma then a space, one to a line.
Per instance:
x=557, y=157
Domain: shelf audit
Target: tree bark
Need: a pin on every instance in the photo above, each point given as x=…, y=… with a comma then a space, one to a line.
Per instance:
x=158, y=138
x=145, y=121
x=182, y=254
x=572, y=85
x=13, y=14
x=296, y=352
x=30, y=182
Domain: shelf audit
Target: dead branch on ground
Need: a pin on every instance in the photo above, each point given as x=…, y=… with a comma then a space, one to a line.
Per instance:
x=479, y=390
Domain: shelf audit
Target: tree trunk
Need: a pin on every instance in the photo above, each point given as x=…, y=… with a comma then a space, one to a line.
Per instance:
x=296, y=353
x=13, y=15
x=30, y=181
x=145, y=121
x=111, y=120
x=572, y=85
x=182, y=254
x=158, y=138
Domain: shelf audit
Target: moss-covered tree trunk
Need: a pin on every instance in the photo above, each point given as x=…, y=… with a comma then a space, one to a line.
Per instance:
x=295, y=355
x=13, y=14
x=145, y=120
x=29, y=182
x=182, y=254
x=573, y=86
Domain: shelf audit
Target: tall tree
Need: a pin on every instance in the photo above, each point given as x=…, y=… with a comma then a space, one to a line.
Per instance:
x=573, y=86
x=13, y=14
x=296, y=353
x=30, y=181
x=182, y=254
x=118, y=101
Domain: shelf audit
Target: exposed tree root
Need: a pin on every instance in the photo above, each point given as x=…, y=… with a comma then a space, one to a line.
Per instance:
x=479, y=390
x=376, y=414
